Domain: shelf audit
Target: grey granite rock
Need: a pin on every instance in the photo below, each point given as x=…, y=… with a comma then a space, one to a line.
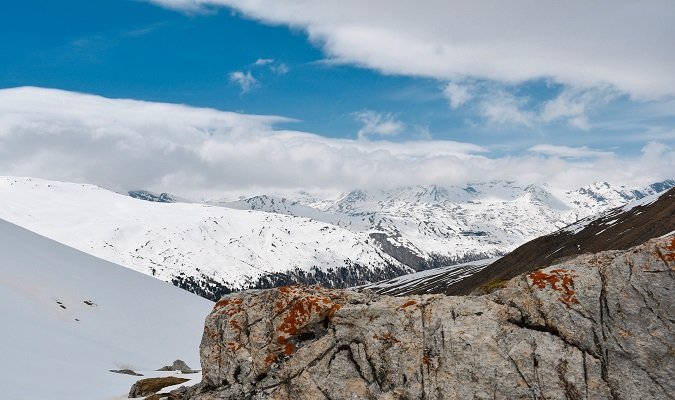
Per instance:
x=598, y=326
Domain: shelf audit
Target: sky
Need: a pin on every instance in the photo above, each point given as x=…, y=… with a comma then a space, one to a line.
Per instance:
x=200, y=97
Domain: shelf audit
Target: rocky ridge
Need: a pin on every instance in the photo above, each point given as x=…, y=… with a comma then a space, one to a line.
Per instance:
x=594, y=327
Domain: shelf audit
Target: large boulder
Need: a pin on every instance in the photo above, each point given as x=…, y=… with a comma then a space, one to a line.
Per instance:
x=594, y=327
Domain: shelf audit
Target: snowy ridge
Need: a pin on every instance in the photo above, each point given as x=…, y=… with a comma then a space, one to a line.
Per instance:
x=581, y=224
x=185, y=241
x=69, y=318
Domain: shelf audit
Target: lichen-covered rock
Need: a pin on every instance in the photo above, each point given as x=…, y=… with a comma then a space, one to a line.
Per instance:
x=595, y=327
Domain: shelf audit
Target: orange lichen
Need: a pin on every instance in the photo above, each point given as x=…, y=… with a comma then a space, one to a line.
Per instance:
x=387, y=336
x=270, y=359
x=301, y=308
x=559, y=279
x=409, y=303
x=289, y=348
x=298, y=309
x=232, y=346
x=227, y=301
x=669, y=254
x=234, y=325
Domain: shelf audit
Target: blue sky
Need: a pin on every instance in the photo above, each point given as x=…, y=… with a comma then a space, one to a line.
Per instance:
x=366, y=73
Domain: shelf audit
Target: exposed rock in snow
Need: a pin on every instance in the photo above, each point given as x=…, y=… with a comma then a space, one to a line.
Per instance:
x=598, y=326
x=148, y=386
x=178, y=365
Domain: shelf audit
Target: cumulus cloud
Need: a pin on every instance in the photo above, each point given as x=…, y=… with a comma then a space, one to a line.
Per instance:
x=498, y=104
x=457, y=94
x=378, y=124
x=126, y=144
x=622, y=43
x=245, y=80
x=573, y=105
x=502, y=107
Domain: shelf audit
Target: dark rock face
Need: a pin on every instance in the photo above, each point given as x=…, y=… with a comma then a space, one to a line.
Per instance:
x=598, y=326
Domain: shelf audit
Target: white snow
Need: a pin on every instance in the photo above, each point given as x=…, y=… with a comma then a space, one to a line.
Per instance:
x=49, y=352
x=167, y=239
x=237, y=242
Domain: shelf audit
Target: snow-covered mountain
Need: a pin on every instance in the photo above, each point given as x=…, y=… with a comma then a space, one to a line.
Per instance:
x=619, y=228
x=262, y=241
x=69, y=318
x=206, y=249
x=431, y=226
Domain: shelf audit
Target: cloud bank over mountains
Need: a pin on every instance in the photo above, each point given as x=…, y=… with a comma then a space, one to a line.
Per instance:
x=127, y=144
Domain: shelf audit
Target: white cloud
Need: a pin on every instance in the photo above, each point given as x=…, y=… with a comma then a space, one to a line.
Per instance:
x=378, y=124
x=569, y=152
x=573, y=105
x=623, y=43
x=498, y=105
x=275, y=66
x=280, y=69
x=128, y=144
x=245, y=80
x=263, y=61
x=502, y=107
x=457, y=94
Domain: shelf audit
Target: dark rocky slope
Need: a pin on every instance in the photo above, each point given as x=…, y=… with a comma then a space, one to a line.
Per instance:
x=597, y=326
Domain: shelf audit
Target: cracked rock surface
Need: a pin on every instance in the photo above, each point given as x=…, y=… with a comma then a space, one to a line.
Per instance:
x=595, y=327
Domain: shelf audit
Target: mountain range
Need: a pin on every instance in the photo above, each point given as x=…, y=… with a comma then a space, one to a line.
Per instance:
x=211, y=247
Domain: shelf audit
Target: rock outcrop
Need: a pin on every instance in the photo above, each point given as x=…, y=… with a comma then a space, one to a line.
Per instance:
x=597, y=326
x=178, y=365
x=149, y=386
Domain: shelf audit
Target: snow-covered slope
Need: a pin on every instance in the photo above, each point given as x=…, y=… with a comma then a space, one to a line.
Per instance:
x=68, y=318
x=206, y=249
